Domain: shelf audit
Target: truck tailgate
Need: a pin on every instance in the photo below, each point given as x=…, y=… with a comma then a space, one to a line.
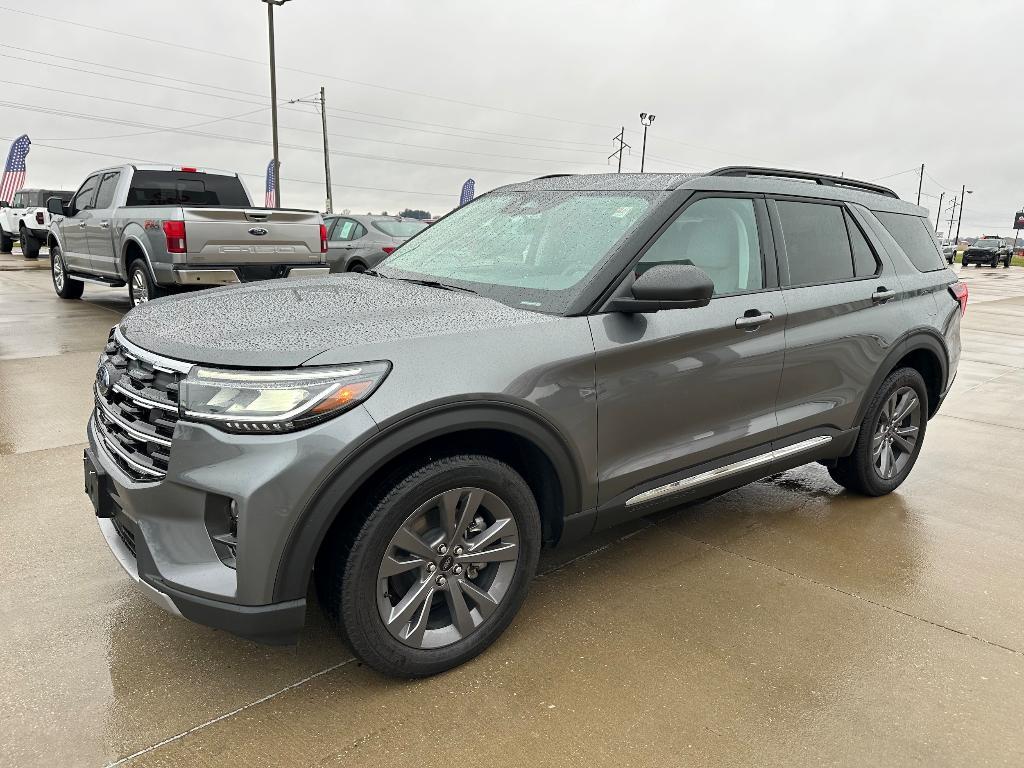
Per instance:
x=226, y=236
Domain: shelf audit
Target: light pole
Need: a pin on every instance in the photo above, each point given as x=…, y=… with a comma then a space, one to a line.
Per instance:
x=963, y=191
x=322, y=101
x=645, y=121
x=273, y=97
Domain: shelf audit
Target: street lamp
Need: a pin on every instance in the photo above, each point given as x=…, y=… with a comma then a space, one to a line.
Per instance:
x=273, y=98
x=645, y=121
x=963, y=191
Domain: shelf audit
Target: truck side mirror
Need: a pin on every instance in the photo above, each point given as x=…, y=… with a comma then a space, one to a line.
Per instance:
x=4, y=204
x=55, y=206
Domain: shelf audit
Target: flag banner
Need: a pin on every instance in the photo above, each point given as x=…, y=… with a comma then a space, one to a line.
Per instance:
x=1018, y=220
x=14, y=171
x=271, y=198
x=468, y=191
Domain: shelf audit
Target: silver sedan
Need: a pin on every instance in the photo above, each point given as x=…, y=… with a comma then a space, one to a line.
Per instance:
x=358, y=243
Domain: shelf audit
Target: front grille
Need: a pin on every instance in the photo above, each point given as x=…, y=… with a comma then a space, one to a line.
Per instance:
x=126, y=534
x=135, y=417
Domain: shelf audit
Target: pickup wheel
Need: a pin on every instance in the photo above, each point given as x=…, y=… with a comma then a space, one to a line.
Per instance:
x=6, y=243
x=141, y=287
x=439, y=568
x=65, y=286
x=890, y=438
x=29, y=245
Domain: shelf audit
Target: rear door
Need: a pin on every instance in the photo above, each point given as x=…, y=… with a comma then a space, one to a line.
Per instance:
x=680, y=388
x=73, y=228
x=846, y=312
x=97, y=228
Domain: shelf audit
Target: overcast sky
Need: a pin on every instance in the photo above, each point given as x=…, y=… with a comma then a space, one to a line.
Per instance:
x=422, y=95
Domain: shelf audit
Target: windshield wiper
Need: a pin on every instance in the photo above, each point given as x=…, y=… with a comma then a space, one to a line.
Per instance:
x=435, y=284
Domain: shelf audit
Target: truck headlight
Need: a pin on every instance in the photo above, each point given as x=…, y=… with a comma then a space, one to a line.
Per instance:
x=276, y=401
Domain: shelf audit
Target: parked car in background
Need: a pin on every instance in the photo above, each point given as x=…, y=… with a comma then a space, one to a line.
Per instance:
x=553, y=358
x=989, y=250
x=27, y=219
x=948, y=248
x=159, y=229
x=359, y=243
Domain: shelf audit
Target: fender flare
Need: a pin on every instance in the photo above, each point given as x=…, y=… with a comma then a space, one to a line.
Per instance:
x=131, y=237
x=918, y=338
x=353, y=469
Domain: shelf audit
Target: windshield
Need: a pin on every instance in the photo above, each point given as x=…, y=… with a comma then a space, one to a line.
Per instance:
x=532, y=250
x=987, y=244
x=397, y=228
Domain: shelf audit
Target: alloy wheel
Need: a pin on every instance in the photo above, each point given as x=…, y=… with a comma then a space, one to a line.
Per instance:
x=447, y=568
x=896, y=433
x=58, y=272
x=140, y=288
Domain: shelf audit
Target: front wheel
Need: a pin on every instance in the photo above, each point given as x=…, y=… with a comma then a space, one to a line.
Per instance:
x=63, y=284
x=6, y=243
x=439, y=568
x=890, y=438
x=29, y=245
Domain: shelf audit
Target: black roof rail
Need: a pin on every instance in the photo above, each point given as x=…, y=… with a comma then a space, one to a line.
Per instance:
x=553, y=176
x=817, y=178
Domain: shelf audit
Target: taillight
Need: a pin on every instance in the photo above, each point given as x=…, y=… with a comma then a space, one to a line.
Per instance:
x=323, y=238
x=174, y=232
x=388, y=249
x=959, y=291
x=39, y=217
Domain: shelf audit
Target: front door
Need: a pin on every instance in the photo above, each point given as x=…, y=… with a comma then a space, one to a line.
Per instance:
x=73, y=229
x=678, y=388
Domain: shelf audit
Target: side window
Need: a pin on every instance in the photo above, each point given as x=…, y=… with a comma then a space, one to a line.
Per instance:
x=82, y=201
x=343, y=229
x=19, y=200
x=330, y=223
x=865, y=263
x=105, y=192
x=717, y=234
x=358, y=231
x=817, y=246
x=914, y=236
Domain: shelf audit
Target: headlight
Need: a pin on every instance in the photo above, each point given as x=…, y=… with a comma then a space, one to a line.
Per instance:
x=276, y=401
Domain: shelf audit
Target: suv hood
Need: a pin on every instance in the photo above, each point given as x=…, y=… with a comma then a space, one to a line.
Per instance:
x=285, y=323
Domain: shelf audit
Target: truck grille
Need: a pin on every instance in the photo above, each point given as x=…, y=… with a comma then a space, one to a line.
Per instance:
x=136, y=408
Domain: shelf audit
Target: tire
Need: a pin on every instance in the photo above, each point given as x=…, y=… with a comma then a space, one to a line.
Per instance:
x=6, y=243
x=357, y=266
x=357, y=595
x=1006, y=262
x=63, y=285
x=29, y=245
x=994, y=264
x=141, y=287
x=859, y=472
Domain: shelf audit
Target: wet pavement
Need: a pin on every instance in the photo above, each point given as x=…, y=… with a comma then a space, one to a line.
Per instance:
x=784, y=623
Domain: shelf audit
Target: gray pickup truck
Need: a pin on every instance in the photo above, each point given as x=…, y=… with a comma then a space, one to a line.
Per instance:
x=161, y=229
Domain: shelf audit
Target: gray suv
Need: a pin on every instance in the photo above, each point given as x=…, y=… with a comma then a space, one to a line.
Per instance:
x=555, y=358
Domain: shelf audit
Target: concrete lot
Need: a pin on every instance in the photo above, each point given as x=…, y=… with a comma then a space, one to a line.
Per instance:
x=785, y=623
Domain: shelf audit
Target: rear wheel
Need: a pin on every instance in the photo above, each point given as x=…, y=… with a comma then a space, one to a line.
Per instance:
x=65, y=286
x=439, y=568
x=29, y=245
x=356, y=266
x=141, y=287
x=6, y=243
x=1006, y=262
x=890, y=438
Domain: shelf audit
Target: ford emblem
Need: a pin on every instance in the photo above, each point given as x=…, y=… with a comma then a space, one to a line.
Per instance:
x=106, y=376
x=258, y=231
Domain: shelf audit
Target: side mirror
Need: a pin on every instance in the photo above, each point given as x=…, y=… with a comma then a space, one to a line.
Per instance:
x=666, y=286
x=4, y=204
x=55, y=206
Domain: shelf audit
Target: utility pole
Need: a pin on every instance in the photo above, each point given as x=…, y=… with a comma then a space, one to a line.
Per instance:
x=621, y=139
x=645, y=121
x=322, y=103
x=952, y=216
x=273, y=97
x=963, y=192
x=920, y=181
x=939, y=211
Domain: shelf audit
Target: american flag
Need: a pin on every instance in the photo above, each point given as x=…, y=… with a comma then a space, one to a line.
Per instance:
x=271, y=198
x=468, y=190
x=14, y=172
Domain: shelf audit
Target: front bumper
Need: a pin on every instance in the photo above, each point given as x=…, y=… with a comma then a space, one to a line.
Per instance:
x=161, y=534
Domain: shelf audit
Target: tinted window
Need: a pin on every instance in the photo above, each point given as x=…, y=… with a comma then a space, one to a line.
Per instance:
x=914, y=236
x=343, y=229
x=719, y=235
x=358, y=232
x=864, y=262
x=105, y=194
x=399, y=228
x=182, y=188
x=19, y=200
x=83, y=198
x=817, y=246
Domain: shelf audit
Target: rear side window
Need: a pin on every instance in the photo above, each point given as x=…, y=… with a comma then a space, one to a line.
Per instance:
x=182, y=188
x=105, y=194
x=914, y=236
x=817, y=244
x=399, y=228
x=865, y=263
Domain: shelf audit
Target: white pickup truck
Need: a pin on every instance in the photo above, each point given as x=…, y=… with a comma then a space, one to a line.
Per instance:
x=25, y=218
x=159, y=229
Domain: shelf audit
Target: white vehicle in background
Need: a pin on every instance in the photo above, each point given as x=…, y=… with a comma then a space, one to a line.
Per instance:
x=25, y=218
x=948, y=249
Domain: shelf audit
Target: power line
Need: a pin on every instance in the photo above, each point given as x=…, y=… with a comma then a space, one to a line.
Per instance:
x=37, y=16
x=157, y=130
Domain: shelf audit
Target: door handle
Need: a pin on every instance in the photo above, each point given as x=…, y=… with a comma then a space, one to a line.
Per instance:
x=81, y=225
x=751, y=321
x=882, y=295
x=105, y=224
